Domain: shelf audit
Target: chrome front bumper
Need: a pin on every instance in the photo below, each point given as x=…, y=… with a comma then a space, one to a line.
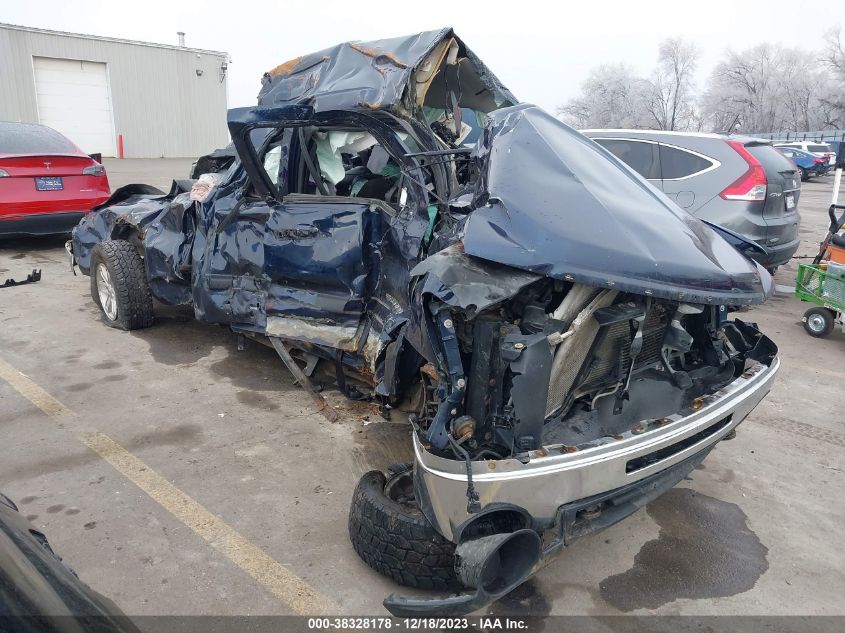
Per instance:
x=557, y=474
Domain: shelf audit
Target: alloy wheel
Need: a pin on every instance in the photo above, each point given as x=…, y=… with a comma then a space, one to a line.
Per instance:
x=106, y=292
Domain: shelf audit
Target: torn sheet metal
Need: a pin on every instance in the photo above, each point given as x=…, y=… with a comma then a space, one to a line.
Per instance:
x=163, y=223
x=314, y=331
x=552, y=201
x=217, y=161
x=374, y=75
x=474, y=284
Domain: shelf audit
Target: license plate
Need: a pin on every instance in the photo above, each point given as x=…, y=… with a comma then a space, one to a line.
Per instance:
x=49, y=183
x=790, y=202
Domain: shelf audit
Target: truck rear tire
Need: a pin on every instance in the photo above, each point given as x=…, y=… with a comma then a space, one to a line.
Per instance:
x=119, y=285
x=391, y=535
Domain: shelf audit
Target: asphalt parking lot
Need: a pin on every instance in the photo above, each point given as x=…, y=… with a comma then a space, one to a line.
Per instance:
x=178, y=475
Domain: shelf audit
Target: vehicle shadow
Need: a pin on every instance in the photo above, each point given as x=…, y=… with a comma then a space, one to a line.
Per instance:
x=32, y=251
x=33, y=244
x=178, y=339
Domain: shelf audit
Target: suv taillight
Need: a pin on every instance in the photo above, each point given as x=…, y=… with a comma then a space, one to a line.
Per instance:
x=752, y=184
x=94, y=170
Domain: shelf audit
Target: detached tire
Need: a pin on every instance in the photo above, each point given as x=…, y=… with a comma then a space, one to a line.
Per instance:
x=818, y=322
x=391, y=535
x=119, y=285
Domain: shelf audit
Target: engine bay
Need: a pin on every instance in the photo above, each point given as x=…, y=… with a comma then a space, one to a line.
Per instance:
x=564, y=363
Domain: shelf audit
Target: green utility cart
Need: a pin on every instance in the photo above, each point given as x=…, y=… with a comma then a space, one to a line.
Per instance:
x=818, y=284
x=823, y=283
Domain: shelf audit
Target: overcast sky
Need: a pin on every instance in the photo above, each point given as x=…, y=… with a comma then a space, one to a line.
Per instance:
x=541, y=51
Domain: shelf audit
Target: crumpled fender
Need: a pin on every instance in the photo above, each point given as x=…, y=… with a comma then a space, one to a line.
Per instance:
x=161, y=225
x=458, y=280
x=470, y=283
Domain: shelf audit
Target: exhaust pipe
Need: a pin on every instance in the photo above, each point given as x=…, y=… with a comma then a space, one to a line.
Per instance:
x=492, y=565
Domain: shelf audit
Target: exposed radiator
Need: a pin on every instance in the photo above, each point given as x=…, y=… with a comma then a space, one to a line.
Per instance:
x=654, y=331
x=591, y=365
x=572, y=352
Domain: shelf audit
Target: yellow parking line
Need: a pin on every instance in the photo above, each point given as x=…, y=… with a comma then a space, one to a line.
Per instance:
x=31, y=391
x=295, y=592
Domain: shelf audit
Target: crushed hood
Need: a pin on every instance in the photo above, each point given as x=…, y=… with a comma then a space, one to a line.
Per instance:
x=552, y=201
x=376, y=75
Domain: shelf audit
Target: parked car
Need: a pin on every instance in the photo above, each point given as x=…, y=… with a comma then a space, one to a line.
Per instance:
x=808, y=164
x=739, y=183
x=558, y=329
x=822, y=150
x=46, y=182
x=39, y=593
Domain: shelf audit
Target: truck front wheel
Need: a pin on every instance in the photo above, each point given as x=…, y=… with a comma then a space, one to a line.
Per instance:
x=119, y=285
x=391, y=535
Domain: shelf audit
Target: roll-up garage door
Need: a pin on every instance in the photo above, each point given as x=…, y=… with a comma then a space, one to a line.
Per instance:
x=73, y=97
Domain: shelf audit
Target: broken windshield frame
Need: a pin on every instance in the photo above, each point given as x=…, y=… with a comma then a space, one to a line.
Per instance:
x=243, y=121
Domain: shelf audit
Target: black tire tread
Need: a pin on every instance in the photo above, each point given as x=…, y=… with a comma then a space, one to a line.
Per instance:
x=397, y=540
x=134, y=299
x=828, y=325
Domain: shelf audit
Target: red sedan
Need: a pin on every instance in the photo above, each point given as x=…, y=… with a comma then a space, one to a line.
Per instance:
x=46, y=182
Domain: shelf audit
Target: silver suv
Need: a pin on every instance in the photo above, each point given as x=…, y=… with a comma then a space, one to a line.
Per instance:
x=737, y=182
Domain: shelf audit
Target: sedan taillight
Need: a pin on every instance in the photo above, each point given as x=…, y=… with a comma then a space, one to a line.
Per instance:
x=751, y=186
x=94, y=170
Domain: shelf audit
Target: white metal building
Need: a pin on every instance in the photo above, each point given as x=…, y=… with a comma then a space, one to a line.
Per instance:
x=161, y=100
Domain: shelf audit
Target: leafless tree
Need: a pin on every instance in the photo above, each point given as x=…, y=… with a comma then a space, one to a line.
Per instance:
x=767, y=88
x=611, y=97
x=770, y=88
x=743, y=86
x=669, y=98
x=834, y=54
x=832, y=101
x=801, y=82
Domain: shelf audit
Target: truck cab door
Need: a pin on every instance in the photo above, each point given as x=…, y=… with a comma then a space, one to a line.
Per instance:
x=321, y=262
x=323, y=237
x=227, y=280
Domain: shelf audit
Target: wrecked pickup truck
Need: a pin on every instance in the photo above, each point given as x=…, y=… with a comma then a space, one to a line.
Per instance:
x=559, y=328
